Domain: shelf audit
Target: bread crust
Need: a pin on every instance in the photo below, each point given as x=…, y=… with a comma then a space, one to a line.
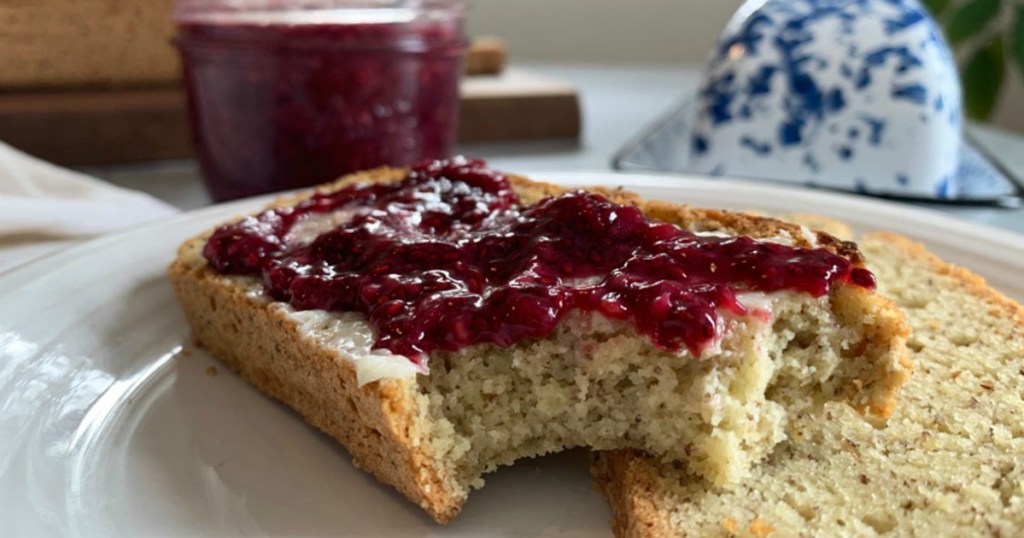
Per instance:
x=628, y=485
x=377, y=422
x=629, y=479
x=268, y=350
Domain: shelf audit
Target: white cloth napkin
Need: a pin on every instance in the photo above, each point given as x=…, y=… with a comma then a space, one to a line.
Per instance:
x=44, y=207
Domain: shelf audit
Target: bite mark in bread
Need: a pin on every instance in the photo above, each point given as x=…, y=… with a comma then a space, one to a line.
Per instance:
x=592, y=383
x=948, y=462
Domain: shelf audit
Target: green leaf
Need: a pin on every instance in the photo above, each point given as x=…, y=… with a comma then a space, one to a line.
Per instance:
x=936, y=7
x=1017, y=40
x=971, y=19
x=983, y=78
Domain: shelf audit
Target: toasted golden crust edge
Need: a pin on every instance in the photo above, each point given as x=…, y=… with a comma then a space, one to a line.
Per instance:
x=628, y=484
x=268, y=350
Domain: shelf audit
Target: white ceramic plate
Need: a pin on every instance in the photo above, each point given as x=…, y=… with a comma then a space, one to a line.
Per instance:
x=110, y=424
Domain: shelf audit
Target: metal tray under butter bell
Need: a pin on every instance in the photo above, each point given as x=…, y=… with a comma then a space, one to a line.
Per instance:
x=664, y=146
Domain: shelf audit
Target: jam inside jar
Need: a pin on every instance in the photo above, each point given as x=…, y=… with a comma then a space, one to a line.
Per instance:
x=285, y=97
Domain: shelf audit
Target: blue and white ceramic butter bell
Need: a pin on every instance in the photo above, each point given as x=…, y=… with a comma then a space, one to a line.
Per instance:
x=852, y=94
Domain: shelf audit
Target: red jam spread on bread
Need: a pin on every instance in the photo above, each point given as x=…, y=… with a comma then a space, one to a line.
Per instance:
x=449, y=258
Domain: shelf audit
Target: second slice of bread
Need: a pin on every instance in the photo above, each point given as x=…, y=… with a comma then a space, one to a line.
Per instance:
x=950, y=461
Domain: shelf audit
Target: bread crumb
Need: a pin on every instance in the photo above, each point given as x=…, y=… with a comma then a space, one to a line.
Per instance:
x=211, y=371
x=760, y=528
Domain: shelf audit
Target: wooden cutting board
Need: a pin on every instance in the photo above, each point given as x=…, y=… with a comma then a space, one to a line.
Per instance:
x=107, y=127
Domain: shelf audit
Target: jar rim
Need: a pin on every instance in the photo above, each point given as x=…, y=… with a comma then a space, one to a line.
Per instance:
x=307, y=11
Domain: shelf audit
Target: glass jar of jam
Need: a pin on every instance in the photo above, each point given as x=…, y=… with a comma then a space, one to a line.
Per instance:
x=290, y=93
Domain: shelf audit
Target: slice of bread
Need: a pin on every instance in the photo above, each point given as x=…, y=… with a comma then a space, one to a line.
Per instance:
x=593, y=382
x=950, y=461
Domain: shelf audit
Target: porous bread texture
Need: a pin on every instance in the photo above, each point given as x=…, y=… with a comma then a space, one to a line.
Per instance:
x=950, y=461
x=592, y=383
x=596, y=383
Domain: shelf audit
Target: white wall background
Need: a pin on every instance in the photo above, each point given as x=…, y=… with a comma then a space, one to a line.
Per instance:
x=604, y=30
x=635, y=32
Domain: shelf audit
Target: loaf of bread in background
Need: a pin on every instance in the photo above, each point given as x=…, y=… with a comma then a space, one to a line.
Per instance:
x=74, y=44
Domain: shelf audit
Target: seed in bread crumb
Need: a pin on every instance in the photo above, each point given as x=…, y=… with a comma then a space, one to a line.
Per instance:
x=987, y=386
x=955, y=374
x=851, y=447
x=759, y=528
x=864, y=479
x=211, y=371
x=729, y=524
